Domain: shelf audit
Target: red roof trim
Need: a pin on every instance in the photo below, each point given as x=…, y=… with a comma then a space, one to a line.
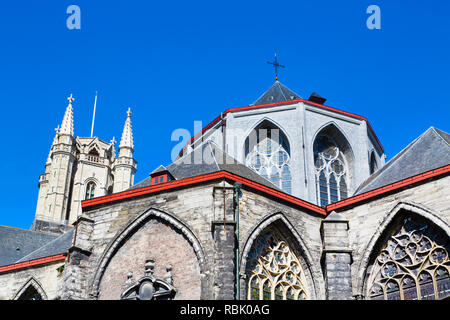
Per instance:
x=202, y=178
x=280, y=195
x=283, y=103
x=388, y=188
x=31, y=263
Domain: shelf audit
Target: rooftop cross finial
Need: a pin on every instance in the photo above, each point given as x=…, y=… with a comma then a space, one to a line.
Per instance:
x=113, y=141
x=71, y=99
x=57, y=129
x=129, y=112
x=276, y=65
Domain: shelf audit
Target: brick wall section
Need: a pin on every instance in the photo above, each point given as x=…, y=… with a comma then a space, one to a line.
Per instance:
x=161, y=242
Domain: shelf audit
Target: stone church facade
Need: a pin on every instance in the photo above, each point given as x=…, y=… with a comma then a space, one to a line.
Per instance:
x=283, y=199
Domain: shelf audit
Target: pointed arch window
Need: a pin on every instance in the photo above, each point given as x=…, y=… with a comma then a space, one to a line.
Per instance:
x=30, y=294
x=413, y=264
x=373, y=164
x=267, y=152
x=331, y=169
x=90, y=190
x=273, y=269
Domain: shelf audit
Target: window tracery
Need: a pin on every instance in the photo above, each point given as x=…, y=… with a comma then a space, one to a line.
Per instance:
x=331, y=171
x=270, y=158
x=273, y=270
x=412, y=265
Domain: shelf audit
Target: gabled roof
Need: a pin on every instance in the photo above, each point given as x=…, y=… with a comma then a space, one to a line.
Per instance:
x=56, y=246
x=161, y=168
x=277, y=93
x=210, y=159
x=16, y=243
x=429, y=151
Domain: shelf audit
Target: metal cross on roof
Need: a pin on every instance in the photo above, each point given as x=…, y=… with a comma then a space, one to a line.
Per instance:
x=276, y=65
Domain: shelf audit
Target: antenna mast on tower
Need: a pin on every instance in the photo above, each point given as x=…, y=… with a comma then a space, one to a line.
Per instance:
x=93, y=116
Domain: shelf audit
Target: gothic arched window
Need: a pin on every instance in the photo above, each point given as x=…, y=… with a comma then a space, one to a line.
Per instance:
x=273, y=269
x=373, y=164
x=267, y=152
x=413, y=263
x=90, y=190
x=30, y=293
x=331, y=171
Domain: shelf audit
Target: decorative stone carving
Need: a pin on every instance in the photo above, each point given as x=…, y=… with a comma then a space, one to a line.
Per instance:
x=148, y=287
x=168, y=277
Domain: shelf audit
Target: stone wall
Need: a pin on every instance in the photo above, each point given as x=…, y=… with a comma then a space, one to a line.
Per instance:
x=367, y=221
x=46, y=277
x=194, y=209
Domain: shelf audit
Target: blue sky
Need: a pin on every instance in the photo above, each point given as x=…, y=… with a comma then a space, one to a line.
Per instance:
x=180, y=61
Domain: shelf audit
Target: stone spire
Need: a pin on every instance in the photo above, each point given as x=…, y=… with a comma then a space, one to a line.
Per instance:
x=67, y=123
x=127, y=135
x=55, y=141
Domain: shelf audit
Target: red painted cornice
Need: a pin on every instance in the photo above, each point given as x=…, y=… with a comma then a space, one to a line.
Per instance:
x=31, y=263
x=198, y=179
x=388, y=188
x=283, y=103
x=267, y=190
x=224, y=174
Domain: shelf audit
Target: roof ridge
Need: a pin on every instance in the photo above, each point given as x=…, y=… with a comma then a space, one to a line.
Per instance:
x=377, y=174
x=281, y=89
x=440, y=136
x=27, y=230
x=45, y=245
x=213, y=154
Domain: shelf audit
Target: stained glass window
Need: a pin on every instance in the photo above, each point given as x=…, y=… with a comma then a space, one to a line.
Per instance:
x=273, y=270
x=331, y=171
x=413, y=264
x=269, y=157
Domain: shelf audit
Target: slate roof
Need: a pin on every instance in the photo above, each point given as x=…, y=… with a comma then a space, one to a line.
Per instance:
x=277, y=93
x=56, y=246
x=16, y=243
x=429, y=151
x=213, y=160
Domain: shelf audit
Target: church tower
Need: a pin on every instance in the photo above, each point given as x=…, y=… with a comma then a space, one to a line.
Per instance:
x=80, y=168
x=125, y=165
x=55, y=183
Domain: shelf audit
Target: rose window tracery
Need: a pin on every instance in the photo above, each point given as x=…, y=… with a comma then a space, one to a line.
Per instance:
x=273, y=270
x=413, y=265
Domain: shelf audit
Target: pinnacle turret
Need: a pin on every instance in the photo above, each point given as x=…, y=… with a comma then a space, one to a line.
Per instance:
x=127, y=135
x=67, y=123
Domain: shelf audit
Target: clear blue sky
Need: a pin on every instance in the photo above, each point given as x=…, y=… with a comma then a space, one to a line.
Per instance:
x=175, y=62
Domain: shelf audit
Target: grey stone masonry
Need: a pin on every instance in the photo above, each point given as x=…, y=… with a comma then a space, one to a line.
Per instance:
x=74, y=277
x=336, y=257
x=224, y=259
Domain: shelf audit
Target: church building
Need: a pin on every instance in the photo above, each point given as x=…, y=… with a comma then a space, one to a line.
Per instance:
x=283, y=199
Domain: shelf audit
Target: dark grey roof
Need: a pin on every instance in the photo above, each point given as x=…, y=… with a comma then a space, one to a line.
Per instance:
x=16, y=243
x=213, y=160
x=429, y=151
x=56, y=246
x=159, y=169
x=277, y=93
